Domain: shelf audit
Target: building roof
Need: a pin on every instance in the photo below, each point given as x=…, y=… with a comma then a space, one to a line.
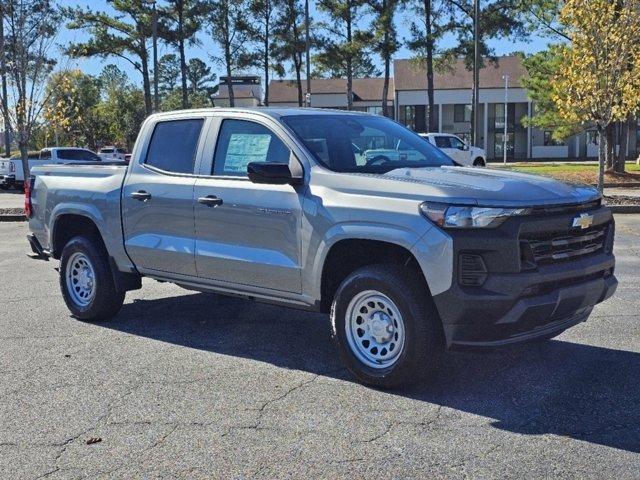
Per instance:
x=364, y=89
x=411, y=76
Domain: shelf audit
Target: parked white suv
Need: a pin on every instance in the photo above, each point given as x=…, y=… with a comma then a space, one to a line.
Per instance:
x=12, y=175
x=457, y=149
x=111, y=154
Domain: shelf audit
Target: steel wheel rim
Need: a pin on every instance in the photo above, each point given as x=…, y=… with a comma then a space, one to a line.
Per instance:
x=375, y=329
x=80, y=277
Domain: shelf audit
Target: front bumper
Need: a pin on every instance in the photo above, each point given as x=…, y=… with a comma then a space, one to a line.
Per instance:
x=517, y=301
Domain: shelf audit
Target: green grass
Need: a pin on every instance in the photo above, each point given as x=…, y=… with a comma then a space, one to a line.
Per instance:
x=560, y=168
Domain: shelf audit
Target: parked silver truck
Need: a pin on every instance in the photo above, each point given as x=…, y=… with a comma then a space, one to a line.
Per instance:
x=408, y=255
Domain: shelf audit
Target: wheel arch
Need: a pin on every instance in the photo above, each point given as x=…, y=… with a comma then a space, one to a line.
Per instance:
x=348, y=254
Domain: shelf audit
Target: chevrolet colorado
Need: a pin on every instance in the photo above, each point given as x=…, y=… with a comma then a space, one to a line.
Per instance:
x=408, y=255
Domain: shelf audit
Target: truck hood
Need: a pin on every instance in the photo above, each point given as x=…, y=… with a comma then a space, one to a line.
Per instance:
x=484, y=186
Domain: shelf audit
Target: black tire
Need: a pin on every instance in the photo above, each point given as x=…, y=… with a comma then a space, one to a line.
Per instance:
x=106, y=301
x=479, y=162
x=422, y=339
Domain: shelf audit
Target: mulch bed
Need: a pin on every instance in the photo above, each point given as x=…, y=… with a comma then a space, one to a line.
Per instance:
x=12, y=211
x=621, y=200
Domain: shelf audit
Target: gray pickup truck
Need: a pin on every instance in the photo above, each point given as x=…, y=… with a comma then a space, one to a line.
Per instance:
x=409, y=255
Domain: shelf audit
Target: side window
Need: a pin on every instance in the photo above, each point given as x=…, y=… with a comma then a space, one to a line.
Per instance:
x=456, y=143
x=45, y=154
x=241, y=142
x=443, y=142
x=174, y=144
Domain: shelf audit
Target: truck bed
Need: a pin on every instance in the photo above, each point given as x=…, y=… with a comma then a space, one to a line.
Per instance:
x=92, y=190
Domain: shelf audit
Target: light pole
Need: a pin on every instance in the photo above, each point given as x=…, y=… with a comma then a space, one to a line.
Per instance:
x=307, y=97
x=476, y=72
x=154, y=33
x=506, y=117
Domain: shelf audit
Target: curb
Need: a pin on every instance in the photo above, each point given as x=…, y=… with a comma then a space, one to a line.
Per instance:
x=624, y=208
x=621, y=185
x=15, y=217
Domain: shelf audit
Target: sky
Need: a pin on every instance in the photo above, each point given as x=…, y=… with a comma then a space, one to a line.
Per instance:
x=95, y=65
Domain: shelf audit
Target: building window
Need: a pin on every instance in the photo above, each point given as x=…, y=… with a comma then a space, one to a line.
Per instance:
x=408, y=116
x=461, y=113
x=549, y=141
x=499, y=145
x=376, y=110
x=499, y=116
x=592, y=137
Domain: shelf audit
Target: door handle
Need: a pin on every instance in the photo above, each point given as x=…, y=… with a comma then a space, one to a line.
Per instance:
x=210, y=201
x=141, y=195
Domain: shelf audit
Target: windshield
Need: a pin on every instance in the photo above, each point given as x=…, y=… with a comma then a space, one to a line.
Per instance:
x=83, y=155
x=363, y=143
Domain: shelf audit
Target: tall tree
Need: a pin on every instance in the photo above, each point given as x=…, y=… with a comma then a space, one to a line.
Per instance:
x=598, y=80
x=168, y=73
x=200, y=76
x=231, y=31
x=4, y=92
x=345, y=44
x=30, y=34
x=385, y=41
x=123, y=35
x=72, y=98
x=181, y=20
x=426, y=29
x=265, y=13
x=289, y=42
x=122, y=109
x=498, y=19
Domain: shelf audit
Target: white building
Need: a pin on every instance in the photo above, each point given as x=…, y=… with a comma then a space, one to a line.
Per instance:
x=453, y=98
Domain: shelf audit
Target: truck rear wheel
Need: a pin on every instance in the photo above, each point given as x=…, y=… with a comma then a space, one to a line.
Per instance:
x=385, y=326
x=86, y=281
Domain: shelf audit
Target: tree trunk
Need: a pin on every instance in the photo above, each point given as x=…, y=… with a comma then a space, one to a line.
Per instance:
x=609, y=144
x=266, y=57
x=349, y=59
x=298, y=66
x=5, y=98
x=24, y=154
x=432, y=126
x=146, y=84
x=183, y=60
x=621, y=158
x=385, y=86
x=602, y=148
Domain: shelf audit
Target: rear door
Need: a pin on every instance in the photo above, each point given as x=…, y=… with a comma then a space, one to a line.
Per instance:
x=157, y=198
x=251, y=235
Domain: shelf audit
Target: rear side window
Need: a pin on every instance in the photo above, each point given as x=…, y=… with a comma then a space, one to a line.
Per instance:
x=78, y=155
x=241, y=142
x=174, y=144
x=45, y=154
x=443, y=142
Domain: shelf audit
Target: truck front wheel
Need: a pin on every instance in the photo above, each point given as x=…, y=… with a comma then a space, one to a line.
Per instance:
x=385, y=326
x=86, y=281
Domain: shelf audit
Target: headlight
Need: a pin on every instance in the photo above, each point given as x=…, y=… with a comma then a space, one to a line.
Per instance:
x=458, y=216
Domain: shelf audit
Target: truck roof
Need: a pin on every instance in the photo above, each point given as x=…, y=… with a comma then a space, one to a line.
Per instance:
x=275, y=112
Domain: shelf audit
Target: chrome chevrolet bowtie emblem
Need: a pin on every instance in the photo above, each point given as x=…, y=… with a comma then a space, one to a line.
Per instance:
x=584, y=220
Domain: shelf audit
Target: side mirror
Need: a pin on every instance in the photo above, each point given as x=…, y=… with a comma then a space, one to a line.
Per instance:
x=272, y=173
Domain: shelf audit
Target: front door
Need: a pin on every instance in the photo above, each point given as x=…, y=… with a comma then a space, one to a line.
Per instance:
x=246, y=233
x=157, y=200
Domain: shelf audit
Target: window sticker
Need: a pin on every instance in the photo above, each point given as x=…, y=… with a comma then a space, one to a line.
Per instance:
x=245, y=148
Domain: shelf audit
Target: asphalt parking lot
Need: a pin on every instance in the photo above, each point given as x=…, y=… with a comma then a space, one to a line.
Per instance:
x=190, y=385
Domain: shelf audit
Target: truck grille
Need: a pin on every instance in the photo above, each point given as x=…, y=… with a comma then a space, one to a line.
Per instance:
x=548, y=247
